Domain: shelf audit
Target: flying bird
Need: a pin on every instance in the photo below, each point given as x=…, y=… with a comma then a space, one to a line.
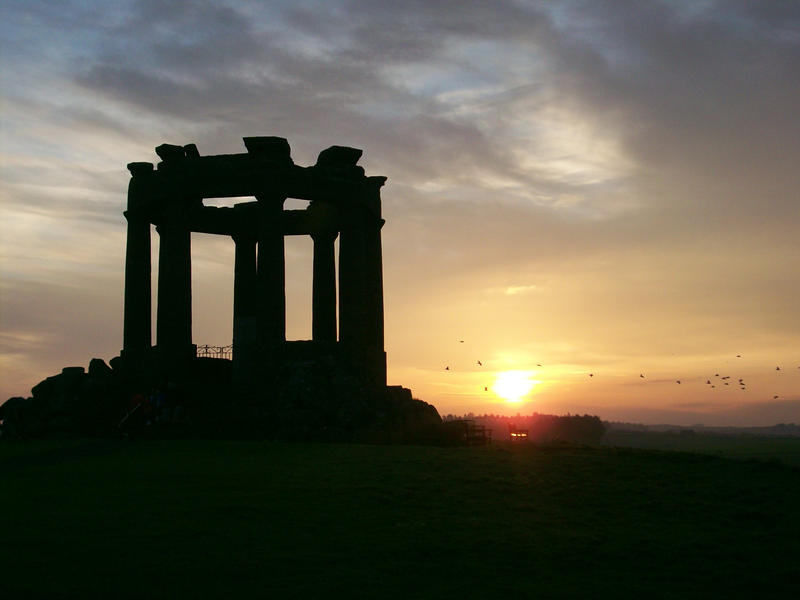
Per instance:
x=777, y=368
x=640, y=375
x=774, y=397
x=678, y=381
x=480, y=364
x=486, y=389
x=460, y=341
x=591, y=374
x=738, y=356
x=708, y=382
x=447, y=368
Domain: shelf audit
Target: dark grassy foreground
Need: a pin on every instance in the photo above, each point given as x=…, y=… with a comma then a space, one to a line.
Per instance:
x=783, y=449
x=218, y=519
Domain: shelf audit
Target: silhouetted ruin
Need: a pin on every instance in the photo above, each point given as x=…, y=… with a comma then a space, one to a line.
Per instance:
x=343, y=203
x=332, y=385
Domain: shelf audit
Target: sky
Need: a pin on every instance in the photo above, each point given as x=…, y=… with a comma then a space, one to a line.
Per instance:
x=601, y=195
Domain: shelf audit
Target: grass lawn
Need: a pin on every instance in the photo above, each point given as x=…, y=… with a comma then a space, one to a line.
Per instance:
x=195, y=519
x=783, y=449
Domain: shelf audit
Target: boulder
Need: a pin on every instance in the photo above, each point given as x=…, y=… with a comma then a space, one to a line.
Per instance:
x=98, y=369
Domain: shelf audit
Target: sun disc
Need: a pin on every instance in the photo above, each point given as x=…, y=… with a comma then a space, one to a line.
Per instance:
x=513, y=385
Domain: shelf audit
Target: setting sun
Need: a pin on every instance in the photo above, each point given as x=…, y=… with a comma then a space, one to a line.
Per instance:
x=513, y=385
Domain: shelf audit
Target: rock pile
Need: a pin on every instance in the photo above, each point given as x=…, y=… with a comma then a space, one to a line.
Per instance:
x=72, y=402
x=307, y=401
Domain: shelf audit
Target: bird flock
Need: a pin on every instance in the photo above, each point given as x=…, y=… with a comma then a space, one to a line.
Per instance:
x=711, y=383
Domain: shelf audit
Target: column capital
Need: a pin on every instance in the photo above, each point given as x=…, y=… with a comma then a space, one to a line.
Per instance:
x=137, y=215
x=245, y=236
x=324, y=235
x=174, y=217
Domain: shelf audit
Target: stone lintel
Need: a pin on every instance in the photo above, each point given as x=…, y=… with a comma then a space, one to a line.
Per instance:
x=235, y=175
x=233, y=221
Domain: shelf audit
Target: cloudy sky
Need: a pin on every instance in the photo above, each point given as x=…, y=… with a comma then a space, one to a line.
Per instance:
x=597, y=187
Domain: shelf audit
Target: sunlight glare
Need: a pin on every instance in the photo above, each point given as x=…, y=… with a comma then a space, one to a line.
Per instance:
x=513, y=385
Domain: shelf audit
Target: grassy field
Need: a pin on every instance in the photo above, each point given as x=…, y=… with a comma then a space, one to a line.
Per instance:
x=197, y=519
x=783, y=449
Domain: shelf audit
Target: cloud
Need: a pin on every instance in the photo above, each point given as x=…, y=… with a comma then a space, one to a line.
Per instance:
x=622, y=174
x=751, y=414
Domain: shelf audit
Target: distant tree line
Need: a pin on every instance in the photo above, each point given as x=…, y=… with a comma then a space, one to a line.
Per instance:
x=579, y=429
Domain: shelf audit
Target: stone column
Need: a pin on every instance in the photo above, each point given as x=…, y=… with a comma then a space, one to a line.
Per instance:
x=271, y=292
x=352, y=314
x=361, y=283
x=323, y=320
x=245, y=304
x=373, y=299
x=174, y=318
x=136, y=337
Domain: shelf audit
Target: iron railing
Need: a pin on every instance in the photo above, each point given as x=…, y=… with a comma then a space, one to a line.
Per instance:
x=207, y=351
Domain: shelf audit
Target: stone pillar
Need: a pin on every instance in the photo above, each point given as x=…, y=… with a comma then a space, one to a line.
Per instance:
x=245, y=304
x=373, y=299
x=174, y=318
x=323, y=320
x=271, y=292
x=136, y=337
x=361, y=295
x=361, y=283
x=352, y=314
x=373, y=279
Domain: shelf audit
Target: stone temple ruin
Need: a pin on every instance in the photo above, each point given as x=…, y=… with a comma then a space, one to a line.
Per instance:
x=330, y=387
x=344, y=202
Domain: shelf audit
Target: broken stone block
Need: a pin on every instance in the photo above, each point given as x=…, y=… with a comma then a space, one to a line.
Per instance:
x=272, y=147
x=339, y=156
